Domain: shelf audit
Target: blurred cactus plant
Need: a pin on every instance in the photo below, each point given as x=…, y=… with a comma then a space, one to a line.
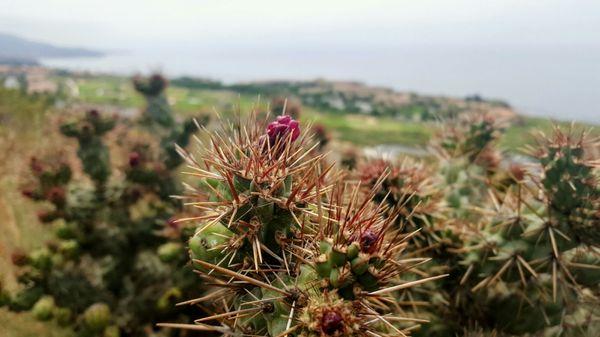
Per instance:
x=92, y=152
x=116, y=264
x=286, y=106
x=522, y=265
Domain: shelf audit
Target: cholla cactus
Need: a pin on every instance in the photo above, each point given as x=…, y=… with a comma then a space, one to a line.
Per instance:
x=409, y=184
x=410, y=189
x=321, y=135
x=527, y=256
x=92, y=152
x=468, y=160
x=50, y=179
x=289, y=251
x=158, y=118
x=116, y=263
x=570, y=185
x=470, y=135
x=261, y=181
x=157, y=111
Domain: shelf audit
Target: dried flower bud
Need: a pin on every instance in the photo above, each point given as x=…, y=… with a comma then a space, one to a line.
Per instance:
x=19, y=258
x=28, y=193
x=56, y=195
x=46, y=216
x=517, y=171
x=134, y=159
x=35, y=165
x=368, y=239
x=93, y=113
x=331, y=322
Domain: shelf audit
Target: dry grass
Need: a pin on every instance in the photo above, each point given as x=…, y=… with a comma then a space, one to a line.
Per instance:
x=24, y=131
x=23, y=325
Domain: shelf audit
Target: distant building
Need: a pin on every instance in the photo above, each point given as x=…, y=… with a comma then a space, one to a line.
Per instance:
x=38, y=81
x=12, y=82
x=71, y=88
x=41, y=86
x=364, y=107
x=34, y=79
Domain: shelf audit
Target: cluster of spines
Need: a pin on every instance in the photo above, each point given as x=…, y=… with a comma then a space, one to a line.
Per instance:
x=290, y=250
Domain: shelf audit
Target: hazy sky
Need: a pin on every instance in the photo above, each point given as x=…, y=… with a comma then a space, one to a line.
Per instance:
x=122, y=24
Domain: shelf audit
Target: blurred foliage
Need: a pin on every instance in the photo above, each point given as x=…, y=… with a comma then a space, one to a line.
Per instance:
x=113, y=265
x=465, y=182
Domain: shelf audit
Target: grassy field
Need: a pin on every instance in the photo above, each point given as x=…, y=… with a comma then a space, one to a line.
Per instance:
x=360, y=130
x=23, y=325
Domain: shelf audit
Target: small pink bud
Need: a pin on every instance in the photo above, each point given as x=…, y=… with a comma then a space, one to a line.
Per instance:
x=45, y=216
x=331, y=322
x=93, y=113
x=172, y=223
x=36, y=166
x=56, y=195
x=282, y=127
x=28, y=193
x=134, y=159
x=19, y=258
x=368, y=239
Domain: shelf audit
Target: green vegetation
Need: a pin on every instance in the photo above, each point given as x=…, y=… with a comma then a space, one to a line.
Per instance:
x=28, y=125
x=367, y=130
x=104, y=272
x=189, y=96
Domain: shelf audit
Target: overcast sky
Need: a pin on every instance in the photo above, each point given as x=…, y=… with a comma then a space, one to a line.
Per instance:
x=122, y=24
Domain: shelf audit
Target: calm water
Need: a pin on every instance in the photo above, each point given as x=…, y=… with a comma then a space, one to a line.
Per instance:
x=561, y=83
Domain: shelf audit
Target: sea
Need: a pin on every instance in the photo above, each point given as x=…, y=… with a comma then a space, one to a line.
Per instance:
x=556, y=82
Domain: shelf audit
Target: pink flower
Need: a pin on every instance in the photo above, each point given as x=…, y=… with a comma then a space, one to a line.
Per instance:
x=282, y=127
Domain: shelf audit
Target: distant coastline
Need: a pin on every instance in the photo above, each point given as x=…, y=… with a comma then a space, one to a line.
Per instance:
x=553, y=83
x=15, y=50
x=558, y=83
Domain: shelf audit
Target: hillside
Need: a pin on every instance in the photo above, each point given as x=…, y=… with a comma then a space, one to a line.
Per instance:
x=16, y=48
x=359, y=98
